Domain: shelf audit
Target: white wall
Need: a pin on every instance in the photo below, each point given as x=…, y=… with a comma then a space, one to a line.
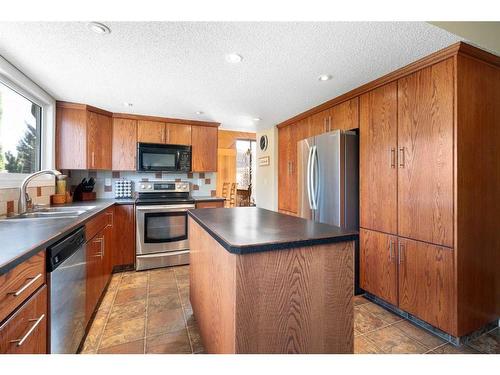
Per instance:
x=266, y=186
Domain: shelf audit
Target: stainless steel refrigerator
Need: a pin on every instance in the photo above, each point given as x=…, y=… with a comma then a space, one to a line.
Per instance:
x=328, y=187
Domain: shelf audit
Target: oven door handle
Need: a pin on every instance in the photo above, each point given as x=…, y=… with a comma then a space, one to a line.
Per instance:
x=165, y=208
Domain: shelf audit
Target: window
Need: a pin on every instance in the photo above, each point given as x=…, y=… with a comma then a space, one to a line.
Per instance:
x=20, y=133
x=245, y=166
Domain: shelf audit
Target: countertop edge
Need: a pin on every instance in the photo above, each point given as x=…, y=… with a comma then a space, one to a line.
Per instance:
x=249, y=249
x=25, y=255
x=208, y=199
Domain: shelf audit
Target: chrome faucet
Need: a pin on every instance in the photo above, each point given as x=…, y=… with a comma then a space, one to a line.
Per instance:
x=24, y=198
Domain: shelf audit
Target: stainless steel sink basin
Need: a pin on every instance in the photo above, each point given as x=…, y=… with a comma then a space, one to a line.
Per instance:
x=53, y=213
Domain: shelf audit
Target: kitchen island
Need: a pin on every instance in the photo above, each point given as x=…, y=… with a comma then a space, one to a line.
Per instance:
x=264, y=282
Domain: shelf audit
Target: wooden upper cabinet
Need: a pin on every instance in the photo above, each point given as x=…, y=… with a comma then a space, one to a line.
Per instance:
x=344, y=116
x=178, y=134
x=319, y=122
x=83, y=138
x=204, y=149
x=124, y=144
x=71, y=138
x=99, y=141
x=378, y=264
x=151, y=131
x=426, y=283
x=425, y=151
x=378, y=174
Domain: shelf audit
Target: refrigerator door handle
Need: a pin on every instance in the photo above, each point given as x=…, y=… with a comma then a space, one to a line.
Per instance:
x=308, y=178
x=314, y=177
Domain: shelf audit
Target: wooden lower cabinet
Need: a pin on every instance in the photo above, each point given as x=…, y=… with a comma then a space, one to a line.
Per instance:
x=123, y=251
x=417, y=277
x=25, y=332
x=379, y=264
x=95, y=273
x=210, y=204
x=426, y=283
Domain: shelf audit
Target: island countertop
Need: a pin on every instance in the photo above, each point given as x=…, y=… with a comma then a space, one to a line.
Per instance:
x=244, y=230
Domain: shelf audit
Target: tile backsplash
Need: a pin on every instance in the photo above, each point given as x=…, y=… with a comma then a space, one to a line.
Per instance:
x=202, y=184
x=9, y=197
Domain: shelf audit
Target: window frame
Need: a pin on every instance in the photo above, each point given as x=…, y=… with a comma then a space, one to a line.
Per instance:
x=19, y=82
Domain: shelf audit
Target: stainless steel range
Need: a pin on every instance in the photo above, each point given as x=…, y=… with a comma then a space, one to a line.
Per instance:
x=162, y=224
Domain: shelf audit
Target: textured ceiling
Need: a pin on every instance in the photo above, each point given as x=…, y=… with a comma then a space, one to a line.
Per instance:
x=174, y=69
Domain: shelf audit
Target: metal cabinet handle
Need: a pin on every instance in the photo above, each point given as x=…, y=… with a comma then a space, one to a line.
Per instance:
x=402, y=157
x=26, y=286
x=93, y=158
x=400, y=252
x=30, y=331
x=393, y=157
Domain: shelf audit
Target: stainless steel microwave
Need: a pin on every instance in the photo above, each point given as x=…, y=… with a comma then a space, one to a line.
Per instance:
x=152, y=157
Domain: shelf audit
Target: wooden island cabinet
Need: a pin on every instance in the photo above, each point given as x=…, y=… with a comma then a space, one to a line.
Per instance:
x=429, y=185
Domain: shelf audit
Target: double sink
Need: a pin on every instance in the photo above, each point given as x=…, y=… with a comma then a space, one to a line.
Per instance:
x=52, y=213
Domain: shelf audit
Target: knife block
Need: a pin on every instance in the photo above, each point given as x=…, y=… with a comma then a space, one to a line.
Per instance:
x=88, y=196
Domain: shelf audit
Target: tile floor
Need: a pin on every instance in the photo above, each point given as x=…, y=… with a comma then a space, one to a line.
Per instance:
x=150, y=312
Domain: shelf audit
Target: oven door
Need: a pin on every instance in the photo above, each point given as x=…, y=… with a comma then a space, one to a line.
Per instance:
x=162, y=228
x=151, y=157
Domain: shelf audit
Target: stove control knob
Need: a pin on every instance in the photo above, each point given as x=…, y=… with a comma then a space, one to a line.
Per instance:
x=143, y=186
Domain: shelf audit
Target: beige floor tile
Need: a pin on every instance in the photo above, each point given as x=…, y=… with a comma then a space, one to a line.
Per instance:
x=169, y=343
x=133, y=347
x=363, y=346
x=365, y=321
x=134, y=280
x=359, y=300
x=95, y=332
x=167, y=299
x=164, y=320
x=427, y=339
x=131, y=310
x=487, y=343
x=162, y=277
x=394, y=341
x=381, y=313
x=107, y=300
x=195, y=339
x=130, y=295
x=120, y=332
x=452, y=349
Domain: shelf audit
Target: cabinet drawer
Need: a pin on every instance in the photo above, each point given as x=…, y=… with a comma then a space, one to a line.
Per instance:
x=212, y=204
x=25, y=332
x=20, y=282
x=95, y=225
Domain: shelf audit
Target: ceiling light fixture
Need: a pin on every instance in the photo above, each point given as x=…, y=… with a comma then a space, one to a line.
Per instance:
x=98, y=28
x=126, y=104
x=256, y=118
x=233, y=58
x=199, y=112
x=324, y=77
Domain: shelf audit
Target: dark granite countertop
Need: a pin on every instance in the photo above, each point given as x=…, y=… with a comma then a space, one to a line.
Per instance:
x=21, y=239
x=244, y=230
x=206, y=198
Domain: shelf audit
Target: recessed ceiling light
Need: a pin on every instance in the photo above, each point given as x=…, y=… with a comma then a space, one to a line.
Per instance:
x=98, y=28
x=199, y=112
x=324, y=77
x=233, y=58
x=126, y=104
x=256, y=118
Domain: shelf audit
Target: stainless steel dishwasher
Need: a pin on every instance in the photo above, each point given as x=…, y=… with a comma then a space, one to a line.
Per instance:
x=66, y=264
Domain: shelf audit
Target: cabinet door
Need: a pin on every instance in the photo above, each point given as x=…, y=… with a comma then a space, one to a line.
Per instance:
x=295, y=134
x=425, y=142
x=109, y=244
x=344, y=116
x=284, y=139
x=378, y=267
x=99, y=141
x=25, y=332
x=178, y=134
x=123, y=235
x=71, y=138
x=150, y=131
x=95, y=270
x=378, y=174
x=319, y=122
x=204, y=149
x=426, y=283
x=124, y=144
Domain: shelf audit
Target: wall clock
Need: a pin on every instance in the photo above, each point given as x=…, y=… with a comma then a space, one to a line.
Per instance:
x=263, y=142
